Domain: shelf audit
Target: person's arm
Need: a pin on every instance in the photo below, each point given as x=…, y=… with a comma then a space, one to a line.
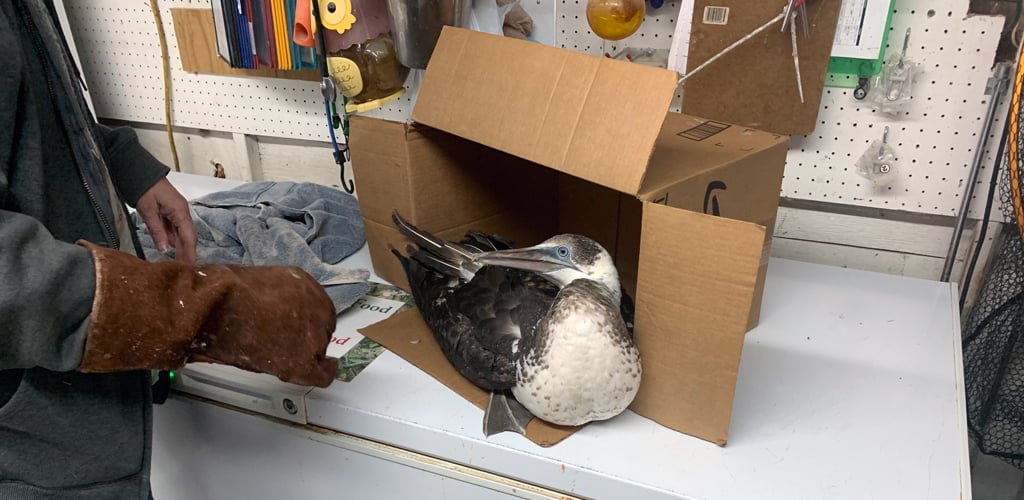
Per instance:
x=132, y=168
x=66, y=306
x=46, y=294
x=93, y=309
x=141, y=180
x=83, y=307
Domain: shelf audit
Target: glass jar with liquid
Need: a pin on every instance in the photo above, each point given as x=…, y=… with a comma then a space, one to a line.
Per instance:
x=361, y=57
x=615, y=19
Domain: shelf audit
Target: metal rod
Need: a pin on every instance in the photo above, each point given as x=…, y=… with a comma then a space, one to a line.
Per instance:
x=1002, y=72
x=786, y=13
x=906, y=42
x=803, y=20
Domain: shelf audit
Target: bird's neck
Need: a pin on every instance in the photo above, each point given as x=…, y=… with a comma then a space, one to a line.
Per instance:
x=610, y=280
x=612, y=283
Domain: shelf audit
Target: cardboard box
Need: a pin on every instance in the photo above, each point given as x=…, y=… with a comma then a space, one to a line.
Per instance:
x=526, y=140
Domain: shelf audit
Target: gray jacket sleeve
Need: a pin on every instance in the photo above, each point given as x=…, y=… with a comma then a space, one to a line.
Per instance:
x=133, y=169
x=46, y=294
x=48, y=285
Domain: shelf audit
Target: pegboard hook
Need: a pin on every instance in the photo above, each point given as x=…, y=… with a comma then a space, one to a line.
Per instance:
x=885, y=142
x=903, y=53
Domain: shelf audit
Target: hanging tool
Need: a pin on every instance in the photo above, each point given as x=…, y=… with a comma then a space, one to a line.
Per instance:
x=801, y=6
x=898, y=77
x=884, y=166
x=782, y=16
x=878, y=162
x=803, y=20
x=330, y=92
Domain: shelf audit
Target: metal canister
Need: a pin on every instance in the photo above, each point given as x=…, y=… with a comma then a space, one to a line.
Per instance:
x=416, y=26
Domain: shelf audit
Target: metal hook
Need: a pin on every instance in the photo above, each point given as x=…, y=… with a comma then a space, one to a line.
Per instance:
x=903, y=53
x=329, y=91
x=898, y=77
x=885, y=140
x=348, y=185
x=883, y=166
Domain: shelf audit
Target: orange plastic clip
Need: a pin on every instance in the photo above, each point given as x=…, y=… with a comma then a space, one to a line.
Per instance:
x=304, y=26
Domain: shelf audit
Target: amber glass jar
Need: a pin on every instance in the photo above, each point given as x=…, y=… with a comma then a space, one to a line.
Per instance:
x=361, y=58
x=379, y=72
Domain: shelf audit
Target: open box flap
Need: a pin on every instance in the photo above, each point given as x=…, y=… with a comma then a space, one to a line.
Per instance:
x=384, y=149
x=691, y=340
x=690, y=147
x=591, y=117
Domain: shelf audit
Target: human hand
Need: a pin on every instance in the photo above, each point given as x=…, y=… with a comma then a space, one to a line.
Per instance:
x=166, y=214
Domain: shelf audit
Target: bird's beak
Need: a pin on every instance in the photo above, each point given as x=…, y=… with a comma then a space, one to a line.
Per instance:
x=538, y=259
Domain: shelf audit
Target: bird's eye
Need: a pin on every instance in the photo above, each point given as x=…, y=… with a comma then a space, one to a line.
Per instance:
x=563, y=251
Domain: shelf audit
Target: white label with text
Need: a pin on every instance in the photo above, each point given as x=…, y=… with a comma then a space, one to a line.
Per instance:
x=365, y=312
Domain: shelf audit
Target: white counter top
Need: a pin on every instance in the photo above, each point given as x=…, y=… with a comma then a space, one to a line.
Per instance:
x=851, y=387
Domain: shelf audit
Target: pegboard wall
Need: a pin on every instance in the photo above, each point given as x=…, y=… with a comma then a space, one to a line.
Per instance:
x=120, y=55
x=934, y=139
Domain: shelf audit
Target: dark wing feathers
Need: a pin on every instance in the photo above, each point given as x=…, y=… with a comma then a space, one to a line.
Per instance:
x=628, y=311
x=487, y=241
x=478, y=322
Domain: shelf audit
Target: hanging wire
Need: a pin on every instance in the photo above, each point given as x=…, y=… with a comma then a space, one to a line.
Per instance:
x=167, y=82
x=1014, y=132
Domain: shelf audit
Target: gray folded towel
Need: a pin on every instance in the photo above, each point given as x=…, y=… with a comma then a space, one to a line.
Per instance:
x=280, y=223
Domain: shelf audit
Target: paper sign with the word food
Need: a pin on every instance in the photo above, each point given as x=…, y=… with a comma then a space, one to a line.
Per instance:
x=353, y=350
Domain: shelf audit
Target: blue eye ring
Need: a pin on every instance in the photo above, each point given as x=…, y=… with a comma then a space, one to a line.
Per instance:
x=562, y=251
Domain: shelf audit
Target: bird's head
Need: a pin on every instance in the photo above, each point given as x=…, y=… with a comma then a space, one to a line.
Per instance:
x=561, y=259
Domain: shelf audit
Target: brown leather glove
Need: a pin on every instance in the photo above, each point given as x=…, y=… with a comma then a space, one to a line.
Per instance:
x=160, y=315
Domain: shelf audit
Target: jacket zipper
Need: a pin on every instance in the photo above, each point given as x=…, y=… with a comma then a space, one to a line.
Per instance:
x=112, y=237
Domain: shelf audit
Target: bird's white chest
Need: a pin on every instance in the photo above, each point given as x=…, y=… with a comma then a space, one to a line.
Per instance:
x=581, y=372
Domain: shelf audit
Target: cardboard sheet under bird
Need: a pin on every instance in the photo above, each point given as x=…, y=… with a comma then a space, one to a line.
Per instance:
x=546, y=329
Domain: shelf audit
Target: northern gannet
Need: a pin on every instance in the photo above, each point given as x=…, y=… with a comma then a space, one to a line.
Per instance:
x=543, y=322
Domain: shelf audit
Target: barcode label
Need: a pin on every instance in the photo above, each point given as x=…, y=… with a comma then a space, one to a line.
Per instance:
x=703, y=131
x=716, y=15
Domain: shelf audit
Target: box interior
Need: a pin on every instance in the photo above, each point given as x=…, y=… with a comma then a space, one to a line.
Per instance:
x=526, y=141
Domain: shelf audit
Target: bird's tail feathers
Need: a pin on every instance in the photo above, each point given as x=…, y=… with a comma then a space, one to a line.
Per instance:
x=415, y=272
x=445, y=250
x=432, y=262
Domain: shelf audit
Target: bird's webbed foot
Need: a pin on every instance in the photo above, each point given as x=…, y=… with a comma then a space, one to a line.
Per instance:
x=504, y=413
